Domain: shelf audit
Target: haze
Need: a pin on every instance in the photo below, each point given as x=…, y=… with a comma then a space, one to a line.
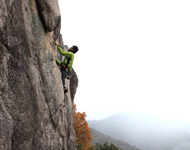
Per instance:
x=145, y=131
x=133, y=56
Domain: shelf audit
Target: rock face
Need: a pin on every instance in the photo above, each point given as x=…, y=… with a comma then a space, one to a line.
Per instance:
x=34, y=112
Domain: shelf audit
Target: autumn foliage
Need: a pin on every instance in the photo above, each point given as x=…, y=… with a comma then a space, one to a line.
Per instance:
x=82, y=131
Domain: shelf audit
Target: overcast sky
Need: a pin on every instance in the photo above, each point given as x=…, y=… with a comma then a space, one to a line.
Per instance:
x=134, y=55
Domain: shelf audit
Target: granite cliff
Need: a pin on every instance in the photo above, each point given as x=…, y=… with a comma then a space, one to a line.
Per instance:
x=34, y=112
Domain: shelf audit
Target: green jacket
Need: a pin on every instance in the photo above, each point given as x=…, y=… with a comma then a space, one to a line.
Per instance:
x=67, y=56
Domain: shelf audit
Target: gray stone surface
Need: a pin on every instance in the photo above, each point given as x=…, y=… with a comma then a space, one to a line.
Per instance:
x=34, y=112
x=49, y=12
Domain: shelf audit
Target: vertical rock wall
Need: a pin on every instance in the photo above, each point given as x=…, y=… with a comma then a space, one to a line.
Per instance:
x=34, y=112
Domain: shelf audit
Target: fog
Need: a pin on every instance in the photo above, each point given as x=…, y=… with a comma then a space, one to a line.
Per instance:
x=146, y=131
x=183, y=146
x=133, y=57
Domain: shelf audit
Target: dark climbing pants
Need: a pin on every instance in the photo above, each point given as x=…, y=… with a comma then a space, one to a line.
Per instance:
x=64, y=74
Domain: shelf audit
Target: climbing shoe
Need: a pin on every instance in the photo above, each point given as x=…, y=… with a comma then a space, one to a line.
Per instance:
x=68, y=77
x=65, y=90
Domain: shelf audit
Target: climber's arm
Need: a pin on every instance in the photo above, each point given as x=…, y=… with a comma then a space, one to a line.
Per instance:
x=58, y=62
x=64, y=53
x=70, y=65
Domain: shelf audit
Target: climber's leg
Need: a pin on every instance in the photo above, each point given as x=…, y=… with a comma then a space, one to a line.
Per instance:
x=69, y=74
x=63, y=72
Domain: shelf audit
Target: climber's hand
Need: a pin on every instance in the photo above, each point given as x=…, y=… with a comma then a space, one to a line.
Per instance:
x=56, y=43
x=57, y=62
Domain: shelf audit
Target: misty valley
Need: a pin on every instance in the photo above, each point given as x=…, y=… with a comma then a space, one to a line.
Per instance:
x=143, y=130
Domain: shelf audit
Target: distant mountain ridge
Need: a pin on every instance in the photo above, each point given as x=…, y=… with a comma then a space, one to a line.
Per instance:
x=101, y=138
x=145, y=131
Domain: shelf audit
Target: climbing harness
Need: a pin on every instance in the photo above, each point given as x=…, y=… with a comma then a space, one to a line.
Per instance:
x=68, y=73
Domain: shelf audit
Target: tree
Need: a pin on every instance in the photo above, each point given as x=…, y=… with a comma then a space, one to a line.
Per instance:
x=82, y=131
x=99, y=146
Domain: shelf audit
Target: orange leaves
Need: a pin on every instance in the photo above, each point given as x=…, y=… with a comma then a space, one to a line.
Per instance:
x=82, y=131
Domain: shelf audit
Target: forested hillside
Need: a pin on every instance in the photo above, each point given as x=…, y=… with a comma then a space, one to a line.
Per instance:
x=101, y=138
x=145, y=131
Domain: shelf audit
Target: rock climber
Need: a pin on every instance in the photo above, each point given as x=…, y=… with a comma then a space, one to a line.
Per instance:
x=66, y=65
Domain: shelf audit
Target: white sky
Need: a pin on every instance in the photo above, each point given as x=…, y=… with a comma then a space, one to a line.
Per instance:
x=134, y=55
